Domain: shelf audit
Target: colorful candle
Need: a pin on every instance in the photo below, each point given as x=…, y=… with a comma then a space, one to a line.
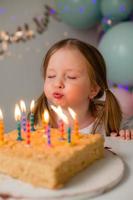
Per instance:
x=65, y=119
x=46, y=121
x=48, y=136
x=28, y=132
x=17, y=118
x=1, y=128
x=76, y=125
x=62, y=128
x=47, y=128
x=23, y=116
x=60, y=114
x=32, y=106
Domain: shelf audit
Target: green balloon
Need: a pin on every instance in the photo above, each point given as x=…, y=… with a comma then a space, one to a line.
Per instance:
x=81, y=14
x=116, y=47
x=116, y=9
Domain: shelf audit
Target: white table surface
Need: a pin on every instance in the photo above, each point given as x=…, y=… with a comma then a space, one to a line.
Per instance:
x=124, y=190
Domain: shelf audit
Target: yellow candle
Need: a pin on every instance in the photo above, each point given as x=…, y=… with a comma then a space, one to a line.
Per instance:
x=1, y=128
x=46, y=120
x=43, y=122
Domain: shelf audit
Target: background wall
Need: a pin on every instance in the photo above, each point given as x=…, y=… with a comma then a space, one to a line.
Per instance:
x=20, y=67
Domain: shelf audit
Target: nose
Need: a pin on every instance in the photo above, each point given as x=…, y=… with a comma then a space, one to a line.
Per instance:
x=59, y=84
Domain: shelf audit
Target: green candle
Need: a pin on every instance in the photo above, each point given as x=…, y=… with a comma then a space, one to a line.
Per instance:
x=69, y=134
x=32, y=115
x=32, y=122
x=17, y=118
x=19, y=130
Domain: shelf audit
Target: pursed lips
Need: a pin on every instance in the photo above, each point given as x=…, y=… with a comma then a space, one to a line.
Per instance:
x=57, y=95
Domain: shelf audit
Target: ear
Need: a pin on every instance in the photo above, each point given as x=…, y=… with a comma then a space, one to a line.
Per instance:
x=94, y=91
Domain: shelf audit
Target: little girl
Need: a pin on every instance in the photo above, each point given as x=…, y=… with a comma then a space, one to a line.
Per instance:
x=75, y=76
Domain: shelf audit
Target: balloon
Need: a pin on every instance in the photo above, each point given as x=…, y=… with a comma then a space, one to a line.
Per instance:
x=125, y=99
x=116, y=47
x=81, y=14
x=116, y=9
x=107, y=23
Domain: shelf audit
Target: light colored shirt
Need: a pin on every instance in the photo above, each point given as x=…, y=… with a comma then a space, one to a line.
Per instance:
x=126, y=124
x=87, y=130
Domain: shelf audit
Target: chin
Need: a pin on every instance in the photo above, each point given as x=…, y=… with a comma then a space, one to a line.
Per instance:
x=62, y=104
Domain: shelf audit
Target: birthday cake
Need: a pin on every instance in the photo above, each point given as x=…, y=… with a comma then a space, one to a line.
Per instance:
x=48, y=165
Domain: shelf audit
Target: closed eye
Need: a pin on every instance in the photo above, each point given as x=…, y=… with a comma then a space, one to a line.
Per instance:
x=51, y=76
x=71, y=77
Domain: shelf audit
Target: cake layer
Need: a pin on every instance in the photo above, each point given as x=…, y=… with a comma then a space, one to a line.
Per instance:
x=48, y=166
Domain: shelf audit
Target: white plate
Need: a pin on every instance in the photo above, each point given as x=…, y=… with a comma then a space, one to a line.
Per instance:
x=95, y=180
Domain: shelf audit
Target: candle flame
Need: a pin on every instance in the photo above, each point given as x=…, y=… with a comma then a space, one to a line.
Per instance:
x=22, y=106
x=72, y=113
x=64, y=118
x=32, y=105
x=54, y=109
x=59, y=112
x=46, y=116
x=17, y=112
x=1, y=115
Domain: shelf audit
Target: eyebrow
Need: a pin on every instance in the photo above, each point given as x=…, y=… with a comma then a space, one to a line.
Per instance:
x=67, y=70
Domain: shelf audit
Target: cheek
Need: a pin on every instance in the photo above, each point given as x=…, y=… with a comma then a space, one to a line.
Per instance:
x=79, y=88
x=46, y=89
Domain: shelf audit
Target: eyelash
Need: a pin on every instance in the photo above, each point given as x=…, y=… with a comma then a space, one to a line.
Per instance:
x=69, y=77
x=51, y=76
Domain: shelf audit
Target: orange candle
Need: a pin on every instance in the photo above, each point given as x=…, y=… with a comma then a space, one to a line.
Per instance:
x=1, y=128
x=43, y=122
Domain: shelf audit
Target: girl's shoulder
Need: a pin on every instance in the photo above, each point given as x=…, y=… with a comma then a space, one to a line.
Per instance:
x=89, y=129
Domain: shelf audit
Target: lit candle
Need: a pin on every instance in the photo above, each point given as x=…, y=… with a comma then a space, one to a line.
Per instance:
x=76, y=125
x=28, y=132
x=17, y=118
x=47, y=128
x=69, y=134
x=65, y=119
x=43, y=122
x=32, y=106
x=59, y=112
x=1, y=128
x=23, y=116
x=46, y=120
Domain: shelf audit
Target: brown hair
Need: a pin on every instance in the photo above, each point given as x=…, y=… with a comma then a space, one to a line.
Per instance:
x=109, y=113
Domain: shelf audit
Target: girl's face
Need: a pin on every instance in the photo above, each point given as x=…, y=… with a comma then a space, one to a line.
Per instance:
x=67, y=82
